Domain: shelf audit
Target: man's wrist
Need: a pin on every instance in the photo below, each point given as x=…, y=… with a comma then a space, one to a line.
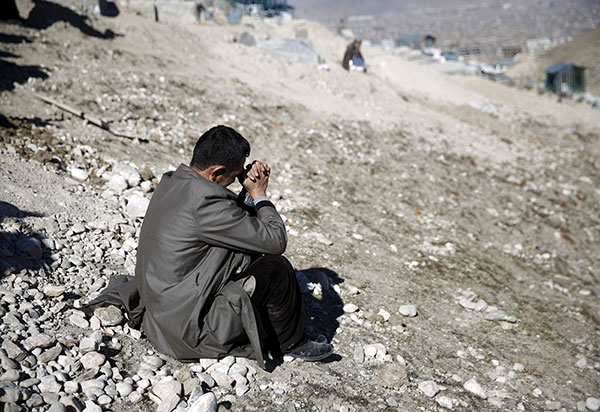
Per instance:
x=259, y=199
x=256, y=195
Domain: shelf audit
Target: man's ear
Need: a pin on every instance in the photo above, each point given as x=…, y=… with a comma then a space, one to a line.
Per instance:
x=215, y=172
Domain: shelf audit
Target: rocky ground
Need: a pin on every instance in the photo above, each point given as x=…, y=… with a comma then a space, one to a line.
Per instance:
x=444, y=229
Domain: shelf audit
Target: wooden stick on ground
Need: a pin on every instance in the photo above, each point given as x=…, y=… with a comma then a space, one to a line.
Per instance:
x=90, y=118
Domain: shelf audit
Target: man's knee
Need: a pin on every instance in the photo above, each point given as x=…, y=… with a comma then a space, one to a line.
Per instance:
x=278, y=261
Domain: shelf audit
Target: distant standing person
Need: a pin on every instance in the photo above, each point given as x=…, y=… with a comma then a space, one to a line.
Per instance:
x=353, y=59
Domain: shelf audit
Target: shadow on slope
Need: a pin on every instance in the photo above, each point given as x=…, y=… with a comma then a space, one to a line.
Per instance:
x=15, y=73
x=14, y=38
x=18, y=250
x=321, y=314
x=45, y=13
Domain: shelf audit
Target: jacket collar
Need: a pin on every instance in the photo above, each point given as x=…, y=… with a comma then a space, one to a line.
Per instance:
x=186, y=172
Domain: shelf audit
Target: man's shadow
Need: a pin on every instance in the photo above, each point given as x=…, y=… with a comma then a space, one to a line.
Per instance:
x=322, y=311
x=45, y=13
x=19, y=251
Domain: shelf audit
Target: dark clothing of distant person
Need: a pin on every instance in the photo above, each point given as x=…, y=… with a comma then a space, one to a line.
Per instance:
x=352, y=54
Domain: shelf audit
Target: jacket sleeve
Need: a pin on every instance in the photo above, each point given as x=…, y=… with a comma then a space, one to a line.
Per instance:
x=222, y=222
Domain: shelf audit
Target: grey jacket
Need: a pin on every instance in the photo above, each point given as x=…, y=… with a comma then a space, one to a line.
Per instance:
x=195, y=235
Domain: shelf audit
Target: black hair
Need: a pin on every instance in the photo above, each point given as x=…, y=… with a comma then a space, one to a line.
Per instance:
x=220, y=145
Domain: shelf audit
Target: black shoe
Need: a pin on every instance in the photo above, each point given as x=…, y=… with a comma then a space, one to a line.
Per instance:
x=312, y=351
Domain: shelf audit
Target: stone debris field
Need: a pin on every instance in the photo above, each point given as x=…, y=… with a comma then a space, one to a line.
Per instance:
x=445, y=230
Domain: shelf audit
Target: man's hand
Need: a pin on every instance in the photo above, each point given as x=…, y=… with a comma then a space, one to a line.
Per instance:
x=257, y=179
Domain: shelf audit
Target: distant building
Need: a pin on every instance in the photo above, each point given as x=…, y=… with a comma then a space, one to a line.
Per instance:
x=411, y=40
x=268, y=8
x=450, y=56
x=565, y=77
x=503, y=64
x=538, y=46
x=429, y=40
x=511, y=51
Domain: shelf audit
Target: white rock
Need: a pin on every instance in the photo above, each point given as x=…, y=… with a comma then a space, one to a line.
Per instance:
x=124, y=389
x=384, y=314
x=146, y=186
x=219, y=367
x=92, y=360
x=167, y=387
x=79, y=321
x=581, y=363
x=371, y=350
x=71, y=387
x=87, y=345
x=444, y=401
x=137, y=205
x=350, y=308
x=104, y=400
x=117, y=183
x=241, y=390
x=467, y=304
x=91, y=407
x=40, y=340
x=238, y=369
x=95, y=323
x=593, y=404
x=472, y=386
x=53, y=290
x=519, y=367
x=481, y=305
x=324, y=240
x=135, y=397
x=135, y=334
x=109, y=315
x=228, y=360
x=408, y=310
x=128, y=173
x=429, y=388
x=204, y=403
x=359, y=354
x=169, y=404
x=222, y=379
x=79, y=174
x=381, y=351
x=207, y=363
x=495, y=401
x=78, y=228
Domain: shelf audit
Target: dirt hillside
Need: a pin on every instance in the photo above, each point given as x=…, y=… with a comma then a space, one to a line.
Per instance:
x=446, y=227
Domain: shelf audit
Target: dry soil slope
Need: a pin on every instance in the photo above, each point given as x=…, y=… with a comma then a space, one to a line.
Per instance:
x=393, y=157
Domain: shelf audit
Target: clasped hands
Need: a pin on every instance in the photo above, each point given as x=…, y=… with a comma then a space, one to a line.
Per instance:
x=255, y=178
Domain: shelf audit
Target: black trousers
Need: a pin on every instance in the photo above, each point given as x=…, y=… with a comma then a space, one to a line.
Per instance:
x=278, y=301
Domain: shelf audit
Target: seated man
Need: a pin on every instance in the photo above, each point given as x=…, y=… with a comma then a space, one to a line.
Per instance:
x=353, y=59
x=209, y=270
